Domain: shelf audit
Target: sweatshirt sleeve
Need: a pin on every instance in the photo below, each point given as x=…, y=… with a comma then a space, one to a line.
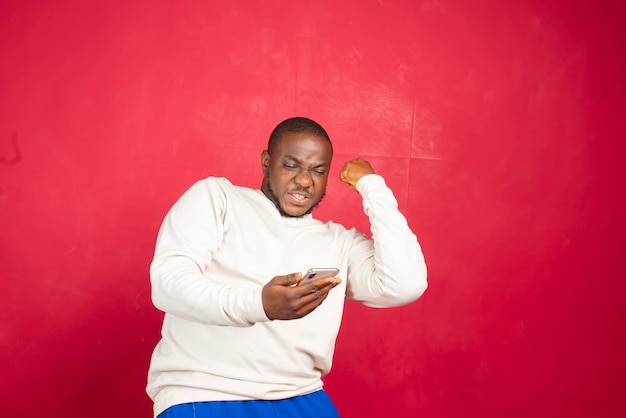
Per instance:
x=189, y=236
x=389, y=269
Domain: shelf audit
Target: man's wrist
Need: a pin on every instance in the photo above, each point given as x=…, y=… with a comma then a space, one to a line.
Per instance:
x=368, y=182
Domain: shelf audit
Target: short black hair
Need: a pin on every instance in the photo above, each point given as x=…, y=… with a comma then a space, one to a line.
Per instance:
x=297, y=124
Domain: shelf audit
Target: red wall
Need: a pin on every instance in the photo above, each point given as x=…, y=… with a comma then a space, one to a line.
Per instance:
x=499, y=124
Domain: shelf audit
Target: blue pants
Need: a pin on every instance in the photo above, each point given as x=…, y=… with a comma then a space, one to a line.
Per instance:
x=313, y=405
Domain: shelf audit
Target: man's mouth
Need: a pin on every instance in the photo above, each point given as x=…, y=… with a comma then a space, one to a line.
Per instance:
x=299, y=197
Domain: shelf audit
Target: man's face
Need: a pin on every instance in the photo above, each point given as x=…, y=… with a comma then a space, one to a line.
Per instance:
x=296, y=173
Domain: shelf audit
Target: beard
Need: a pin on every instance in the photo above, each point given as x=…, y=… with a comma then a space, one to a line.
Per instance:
x=272, y=196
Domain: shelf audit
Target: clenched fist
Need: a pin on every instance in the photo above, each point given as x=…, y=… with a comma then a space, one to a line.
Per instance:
x=353, y=170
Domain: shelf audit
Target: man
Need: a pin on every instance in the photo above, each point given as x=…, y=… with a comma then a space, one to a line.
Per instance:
x=241, y=336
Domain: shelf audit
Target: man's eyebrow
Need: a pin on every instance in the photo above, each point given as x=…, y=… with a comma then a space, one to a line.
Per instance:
x=297, y=160
x=292, y=158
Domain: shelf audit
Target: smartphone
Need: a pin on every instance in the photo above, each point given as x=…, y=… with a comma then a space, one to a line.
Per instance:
x=319, y=273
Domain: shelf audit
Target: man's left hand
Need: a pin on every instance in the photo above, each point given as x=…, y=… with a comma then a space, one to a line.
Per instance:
x=353, y=170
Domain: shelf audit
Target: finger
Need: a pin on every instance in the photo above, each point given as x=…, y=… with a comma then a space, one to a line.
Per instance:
x=313, y=300
x=318, y=293
x=317, y=284
x=346, y=176
x=311, y=305
x=315, y=294
x=342, y=175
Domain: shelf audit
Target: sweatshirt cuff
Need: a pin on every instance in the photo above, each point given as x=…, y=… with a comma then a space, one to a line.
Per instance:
x=369, y=182
x=257, y=313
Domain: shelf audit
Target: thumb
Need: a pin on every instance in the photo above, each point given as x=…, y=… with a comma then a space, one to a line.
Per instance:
x=287, y=280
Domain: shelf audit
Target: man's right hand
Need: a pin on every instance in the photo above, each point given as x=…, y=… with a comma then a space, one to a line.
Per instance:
x=284, y=299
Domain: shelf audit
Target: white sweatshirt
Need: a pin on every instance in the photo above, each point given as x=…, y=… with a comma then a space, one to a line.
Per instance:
x=219, y=245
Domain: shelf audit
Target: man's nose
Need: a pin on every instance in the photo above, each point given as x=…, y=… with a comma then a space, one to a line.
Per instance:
x=304, y=179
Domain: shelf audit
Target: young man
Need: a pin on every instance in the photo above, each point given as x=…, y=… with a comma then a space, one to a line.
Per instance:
x=241, y=336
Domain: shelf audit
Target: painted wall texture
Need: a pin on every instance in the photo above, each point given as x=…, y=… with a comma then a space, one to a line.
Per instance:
x=500, y=126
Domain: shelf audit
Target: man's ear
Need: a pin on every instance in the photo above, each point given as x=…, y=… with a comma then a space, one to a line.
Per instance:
x=265, y=161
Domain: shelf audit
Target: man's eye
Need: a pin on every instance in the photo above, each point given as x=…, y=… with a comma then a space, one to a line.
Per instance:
x=319, y=172
x=290, y=166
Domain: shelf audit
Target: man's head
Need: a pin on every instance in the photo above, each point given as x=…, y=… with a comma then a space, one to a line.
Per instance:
x=296, y=165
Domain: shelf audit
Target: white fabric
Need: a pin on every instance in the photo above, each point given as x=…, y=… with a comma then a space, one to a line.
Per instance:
x=219, y=245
